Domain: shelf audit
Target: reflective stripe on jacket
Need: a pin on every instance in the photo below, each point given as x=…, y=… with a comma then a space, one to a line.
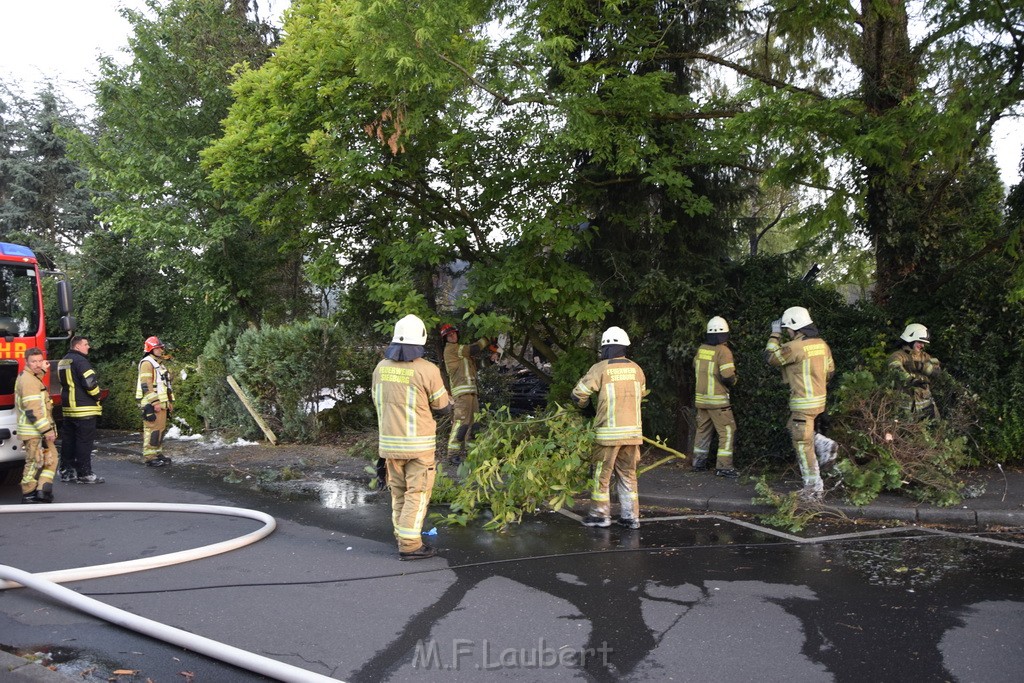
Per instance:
x=80, y=389
x=33, y=404
x=715, y=373
x=620, y=386
x=461, y=363
x=915, y=367
x=154, y=384
x=404, y=394
x=806, y=366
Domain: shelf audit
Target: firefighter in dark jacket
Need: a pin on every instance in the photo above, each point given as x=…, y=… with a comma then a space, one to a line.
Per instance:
x=80, y=405
x=36, y=429
x=715, y=373
x=914, y=369
x=156, y=398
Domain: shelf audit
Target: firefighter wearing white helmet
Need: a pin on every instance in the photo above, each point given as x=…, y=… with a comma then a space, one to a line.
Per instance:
x=913, y=369
x=155, y=395
x=620, y=385
x=615, y=336
x=407, y=392
x=715, y=375
x=807, y=365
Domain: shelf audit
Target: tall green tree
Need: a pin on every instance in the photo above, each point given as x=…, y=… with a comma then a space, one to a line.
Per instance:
x=45, y=201
x=406, y=138
x=881, y=119
x=156, y=113
x=390, y=139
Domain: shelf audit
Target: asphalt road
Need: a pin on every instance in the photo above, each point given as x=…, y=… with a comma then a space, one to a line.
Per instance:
x=683, y=600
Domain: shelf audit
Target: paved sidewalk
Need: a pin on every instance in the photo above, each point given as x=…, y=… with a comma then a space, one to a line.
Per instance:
x=1000, y=505
x=14, y=668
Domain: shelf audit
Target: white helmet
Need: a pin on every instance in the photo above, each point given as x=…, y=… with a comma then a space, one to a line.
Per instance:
x=717, y=325
x=915, y=332
x=615, y=335
x=410, y=330
x=796, y=318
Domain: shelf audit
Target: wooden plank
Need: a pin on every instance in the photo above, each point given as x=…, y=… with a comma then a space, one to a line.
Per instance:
x=252, y=411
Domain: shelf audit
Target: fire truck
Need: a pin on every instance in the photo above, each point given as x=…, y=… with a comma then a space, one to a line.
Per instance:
x=22, y=326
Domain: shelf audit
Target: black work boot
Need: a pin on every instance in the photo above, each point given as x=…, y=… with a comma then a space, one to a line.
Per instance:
x=727, y=472
x=30, y=498
x=45, y=494
x=700, y=465
x=421, y=553
x=628, y=522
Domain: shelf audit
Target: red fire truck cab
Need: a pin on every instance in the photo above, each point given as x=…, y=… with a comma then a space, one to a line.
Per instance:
x=23, y=326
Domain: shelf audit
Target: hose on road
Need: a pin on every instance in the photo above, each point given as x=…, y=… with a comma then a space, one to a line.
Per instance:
x=48, y=584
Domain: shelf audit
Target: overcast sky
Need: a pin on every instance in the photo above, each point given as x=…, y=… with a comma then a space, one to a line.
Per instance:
x=59, y=40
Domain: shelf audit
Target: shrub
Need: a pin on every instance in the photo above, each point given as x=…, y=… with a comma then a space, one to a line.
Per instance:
x=288, y=371
x=219, y=407
x=885, y=450
x=120, y=408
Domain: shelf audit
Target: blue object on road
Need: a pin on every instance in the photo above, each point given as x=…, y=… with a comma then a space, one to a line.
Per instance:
x=432, y=532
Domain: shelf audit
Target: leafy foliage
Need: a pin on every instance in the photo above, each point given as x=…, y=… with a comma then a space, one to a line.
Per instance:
x=288, y=371
x=45, y=200
x=155, y=115
x=790, y=513
x=519, y=466
x=895, y=451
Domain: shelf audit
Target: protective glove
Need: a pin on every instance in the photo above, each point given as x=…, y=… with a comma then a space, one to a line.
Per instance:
x=918, y=382
x=777, y=326
x=149, y=413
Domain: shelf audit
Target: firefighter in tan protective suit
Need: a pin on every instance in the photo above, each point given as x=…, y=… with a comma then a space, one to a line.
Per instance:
x=620, y=386
x=462, y=362
x=36, y=429
x=914, y=369
x=715, y=373
x=407, y=390
x=807, y=365
x=156, y=398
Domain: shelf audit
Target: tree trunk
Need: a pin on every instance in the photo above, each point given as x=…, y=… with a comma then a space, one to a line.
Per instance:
x=889, y=77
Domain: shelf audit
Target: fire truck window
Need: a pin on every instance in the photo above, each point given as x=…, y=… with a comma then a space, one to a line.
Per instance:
x=19, y=311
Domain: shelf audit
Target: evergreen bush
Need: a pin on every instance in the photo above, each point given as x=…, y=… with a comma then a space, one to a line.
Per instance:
x=288, y=372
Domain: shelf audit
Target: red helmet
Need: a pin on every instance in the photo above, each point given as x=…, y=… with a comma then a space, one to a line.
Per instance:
x=152, y=343
x=446, y=328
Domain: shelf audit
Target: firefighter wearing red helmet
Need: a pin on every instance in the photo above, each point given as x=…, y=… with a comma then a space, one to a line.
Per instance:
x=156, y=398
x=462, y=362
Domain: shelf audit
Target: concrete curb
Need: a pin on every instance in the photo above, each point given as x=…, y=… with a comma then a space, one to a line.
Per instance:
x=15, y=668
x=742, y=501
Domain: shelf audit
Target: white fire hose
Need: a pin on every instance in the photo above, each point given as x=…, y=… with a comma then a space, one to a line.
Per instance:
x=47, y=583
